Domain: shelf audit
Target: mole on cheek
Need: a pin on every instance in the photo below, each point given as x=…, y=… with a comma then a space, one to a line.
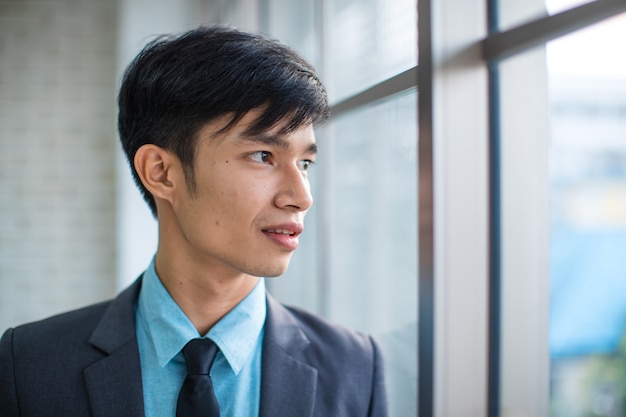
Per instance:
x=217, y=222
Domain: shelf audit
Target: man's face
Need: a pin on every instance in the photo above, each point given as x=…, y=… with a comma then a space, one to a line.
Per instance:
x=251, y=195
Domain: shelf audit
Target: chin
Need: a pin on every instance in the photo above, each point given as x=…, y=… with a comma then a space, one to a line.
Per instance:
x=275, y=272
x=270, y=271
x=274, y=266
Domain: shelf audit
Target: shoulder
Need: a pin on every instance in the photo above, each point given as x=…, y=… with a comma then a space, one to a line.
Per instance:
x=326, y=342
x=72, y=332
x=50, y=356
x=81, y=317
x=56, y=346
x=66, y=330
x=348, y=364
x=44, y=361
x=323, y=332
x=75, y=328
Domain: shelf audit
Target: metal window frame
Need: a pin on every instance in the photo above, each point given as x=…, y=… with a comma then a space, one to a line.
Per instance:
x=502, y=44
x=497, y=46
x=436, y=27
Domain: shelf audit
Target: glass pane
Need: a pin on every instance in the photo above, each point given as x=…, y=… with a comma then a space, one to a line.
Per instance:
x=293, y=22
x=514, y=12
x=556, y=6
x=587, y=78
x=372, y=283
x=368, y=41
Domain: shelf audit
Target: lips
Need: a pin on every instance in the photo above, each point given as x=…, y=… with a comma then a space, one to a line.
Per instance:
x=284, y=235
x=280, y=232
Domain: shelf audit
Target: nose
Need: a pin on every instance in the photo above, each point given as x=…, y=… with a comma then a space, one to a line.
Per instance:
x=295, y=190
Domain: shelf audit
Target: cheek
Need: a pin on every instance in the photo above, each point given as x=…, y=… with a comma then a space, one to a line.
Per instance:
x=233, y=205
x=228, y=197
x=248, y=191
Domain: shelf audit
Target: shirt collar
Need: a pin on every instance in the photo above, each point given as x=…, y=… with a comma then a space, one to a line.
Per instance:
x=236, y=334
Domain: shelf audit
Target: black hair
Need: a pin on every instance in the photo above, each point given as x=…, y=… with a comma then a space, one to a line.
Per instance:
x=178, y=83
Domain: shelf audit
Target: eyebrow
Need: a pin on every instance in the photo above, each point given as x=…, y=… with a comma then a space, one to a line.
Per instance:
x=275, y=140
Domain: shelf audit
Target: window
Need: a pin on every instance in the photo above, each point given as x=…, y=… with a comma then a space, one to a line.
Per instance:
x=556, y=167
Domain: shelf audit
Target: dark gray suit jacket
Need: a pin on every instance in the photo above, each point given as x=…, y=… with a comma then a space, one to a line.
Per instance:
x=86, y=363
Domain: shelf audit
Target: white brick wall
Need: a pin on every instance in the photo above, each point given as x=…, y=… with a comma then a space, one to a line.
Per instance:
x=57, y=156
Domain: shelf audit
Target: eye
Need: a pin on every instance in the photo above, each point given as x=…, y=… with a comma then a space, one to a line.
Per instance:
x=305, y=164
x=260, y=156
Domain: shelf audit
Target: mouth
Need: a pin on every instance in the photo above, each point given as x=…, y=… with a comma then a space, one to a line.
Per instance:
x=285, y=236
x=280, y=232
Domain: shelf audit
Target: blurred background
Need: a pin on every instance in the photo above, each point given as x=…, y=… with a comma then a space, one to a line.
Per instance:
x=74, y=230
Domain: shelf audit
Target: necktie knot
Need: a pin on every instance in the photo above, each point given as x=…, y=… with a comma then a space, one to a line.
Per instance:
x=199, y=356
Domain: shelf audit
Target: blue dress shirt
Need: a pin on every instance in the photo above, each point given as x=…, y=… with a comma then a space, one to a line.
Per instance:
x=163, y=329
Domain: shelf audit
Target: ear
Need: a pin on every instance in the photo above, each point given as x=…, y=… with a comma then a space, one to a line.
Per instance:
x=158, y=170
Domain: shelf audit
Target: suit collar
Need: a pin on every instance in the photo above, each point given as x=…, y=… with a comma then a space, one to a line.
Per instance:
x=114, y=382
x=116, y=328
x=284, y=366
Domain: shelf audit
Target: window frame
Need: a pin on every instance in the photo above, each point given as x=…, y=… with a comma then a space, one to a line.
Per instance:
x=451, y=374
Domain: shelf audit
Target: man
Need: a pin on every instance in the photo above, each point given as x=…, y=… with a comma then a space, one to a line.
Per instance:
x=217, y=126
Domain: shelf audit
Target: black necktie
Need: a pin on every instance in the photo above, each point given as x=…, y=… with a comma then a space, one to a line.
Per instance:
x=196, y=397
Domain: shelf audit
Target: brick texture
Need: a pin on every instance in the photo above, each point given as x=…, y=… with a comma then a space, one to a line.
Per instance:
x=57, y=156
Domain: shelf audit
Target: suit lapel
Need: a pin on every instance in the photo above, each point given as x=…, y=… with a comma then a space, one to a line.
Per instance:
x=288, y=383
x=114, y=382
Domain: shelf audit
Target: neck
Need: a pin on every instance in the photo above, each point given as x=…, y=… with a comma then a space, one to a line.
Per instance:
x=204, y=294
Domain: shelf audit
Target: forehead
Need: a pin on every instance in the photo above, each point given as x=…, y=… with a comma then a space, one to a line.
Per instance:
x=240, y=133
